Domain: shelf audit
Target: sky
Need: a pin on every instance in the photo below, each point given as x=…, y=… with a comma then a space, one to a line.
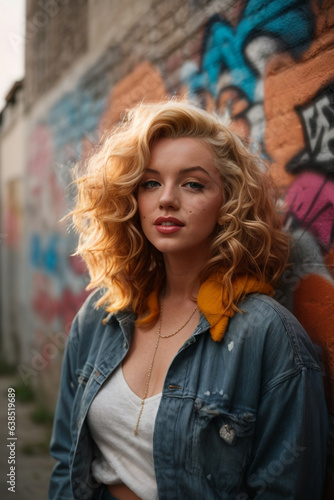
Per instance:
x=12, y=30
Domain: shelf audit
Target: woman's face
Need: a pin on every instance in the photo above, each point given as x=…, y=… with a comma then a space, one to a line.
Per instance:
x=179, y=197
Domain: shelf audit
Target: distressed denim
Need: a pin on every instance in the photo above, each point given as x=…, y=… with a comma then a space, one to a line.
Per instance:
x=244, y=418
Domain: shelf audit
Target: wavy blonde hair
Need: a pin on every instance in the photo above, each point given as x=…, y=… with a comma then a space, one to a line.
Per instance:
x=248, y=238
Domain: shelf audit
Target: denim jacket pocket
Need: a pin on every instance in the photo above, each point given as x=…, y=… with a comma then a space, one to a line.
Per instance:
x=220, y=444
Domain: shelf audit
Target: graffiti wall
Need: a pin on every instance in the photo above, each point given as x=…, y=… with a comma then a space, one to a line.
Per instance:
x=58, y=279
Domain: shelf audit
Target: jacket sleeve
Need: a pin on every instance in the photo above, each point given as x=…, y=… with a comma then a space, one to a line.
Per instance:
x=290, y=445
x=61, y=442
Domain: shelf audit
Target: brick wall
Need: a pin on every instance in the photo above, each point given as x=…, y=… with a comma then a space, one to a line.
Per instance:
x=56, y=34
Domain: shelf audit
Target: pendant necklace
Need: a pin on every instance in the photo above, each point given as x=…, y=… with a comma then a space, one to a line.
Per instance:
x=159, y=336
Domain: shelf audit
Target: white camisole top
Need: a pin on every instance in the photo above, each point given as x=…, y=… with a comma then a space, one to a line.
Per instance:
x=122, y=456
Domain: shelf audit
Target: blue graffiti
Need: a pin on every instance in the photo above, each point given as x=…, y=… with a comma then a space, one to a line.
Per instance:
x=77, y=114
x=289, y=22
x=45, y=257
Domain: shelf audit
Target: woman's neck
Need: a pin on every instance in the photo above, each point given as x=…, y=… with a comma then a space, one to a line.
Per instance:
x=182, y=278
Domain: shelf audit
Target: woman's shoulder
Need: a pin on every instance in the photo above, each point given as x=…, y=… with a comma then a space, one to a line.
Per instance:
x=89, y=320
x=276, y=332
x=89, y=312
x=91, y=332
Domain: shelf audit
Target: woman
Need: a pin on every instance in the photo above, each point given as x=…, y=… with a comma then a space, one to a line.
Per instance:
x=182, y=377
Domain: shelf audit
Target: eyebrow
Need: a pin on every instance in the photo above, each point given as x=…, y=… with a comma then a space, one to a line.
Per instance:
x=182, y=171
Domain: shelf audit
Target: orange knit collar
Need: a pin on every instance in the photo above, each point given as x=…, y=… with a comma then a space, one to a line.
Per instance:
x=212, y=301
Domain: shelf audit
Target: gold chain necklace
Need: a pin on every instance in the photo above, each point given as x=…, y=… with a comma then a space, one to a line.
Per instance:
x=153, y=358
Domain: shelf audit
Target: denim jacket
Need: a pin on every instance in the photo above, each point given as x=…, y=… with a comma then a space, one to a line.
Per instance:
x=244, y=418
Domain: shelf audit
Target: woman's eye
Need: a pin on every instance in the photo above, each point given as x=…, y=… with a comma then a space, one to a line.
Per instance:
x=149, y=184
x=197, y=186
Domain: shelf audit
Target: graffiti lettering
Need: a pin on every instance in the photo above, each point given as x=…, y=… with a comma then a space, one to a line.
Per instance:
x=318, y=122
x=320, y=127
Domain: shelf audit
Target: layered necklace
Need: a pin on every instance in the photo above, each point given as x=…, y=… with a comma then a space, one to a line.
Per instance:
x=159, y=336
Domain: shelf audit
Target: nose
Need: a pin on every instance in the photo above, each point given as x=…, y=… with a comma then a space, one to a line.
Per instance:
x=169, y=197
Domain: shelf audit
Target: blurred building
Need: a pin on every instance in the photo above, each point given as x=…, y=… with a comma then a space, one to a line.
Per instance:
x=268, y=65
x=14, y=306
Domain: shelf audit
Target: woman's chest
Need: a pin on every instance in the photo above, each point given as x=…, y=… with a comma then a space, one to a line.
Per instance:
x=149, y=357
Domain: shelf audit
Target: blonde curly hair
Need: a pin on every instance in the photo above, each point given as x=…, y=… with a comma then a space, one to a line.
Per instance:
x=248, y=237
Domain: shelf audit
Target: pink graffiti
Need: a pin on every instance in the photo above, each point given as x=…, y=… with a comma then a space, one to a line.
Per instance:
x=47, y=307
x=311, y=200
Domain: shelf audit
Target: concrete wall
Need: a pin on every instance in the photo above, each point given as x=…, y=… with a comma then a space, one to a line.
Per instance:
x=269, y=65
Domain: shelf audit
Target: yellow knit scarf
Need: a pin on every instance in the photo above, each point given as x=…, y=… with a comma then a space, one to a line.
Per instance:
x=212, y=301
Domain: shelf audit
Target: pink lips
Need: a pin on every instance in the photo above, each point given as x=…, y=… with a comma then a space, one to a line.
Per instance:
x=168, y=225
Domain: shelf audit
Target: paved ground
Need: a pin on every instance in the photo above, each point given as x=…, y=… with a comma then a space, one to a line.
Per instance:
x=33, y=463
